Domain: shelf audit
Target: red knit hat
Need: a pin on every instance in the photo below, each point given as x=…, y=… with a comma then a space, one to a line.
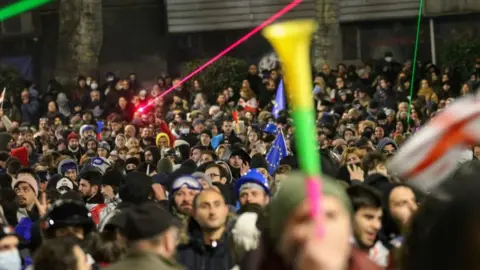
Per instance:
x=72, y=135
x=22, y=154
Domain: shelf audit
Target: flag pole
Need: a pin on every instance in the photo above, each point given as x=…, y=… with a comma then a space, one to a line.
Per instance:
x=3, y=97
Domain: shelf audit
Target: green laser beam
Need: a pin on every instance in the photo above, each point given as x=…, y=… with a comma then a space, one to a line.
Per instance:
x=19, y=7
x=414, y=67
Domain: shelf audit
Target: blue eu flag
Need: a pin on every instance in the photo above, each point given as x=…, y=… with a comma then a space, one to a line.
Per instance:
x=277, y=151
x=279, y=104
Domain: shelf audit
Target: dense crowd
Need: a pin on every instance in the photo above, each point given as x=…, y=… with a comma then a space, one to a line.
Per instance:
x=113, y=175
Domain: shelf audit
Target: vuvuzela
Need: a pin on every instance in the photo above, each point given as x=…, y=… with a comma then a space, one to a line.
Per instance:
x=291, y=40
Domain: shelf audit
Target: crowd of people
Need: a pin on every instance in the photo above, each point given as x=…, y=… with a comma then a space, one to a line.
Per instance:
x=113, y=175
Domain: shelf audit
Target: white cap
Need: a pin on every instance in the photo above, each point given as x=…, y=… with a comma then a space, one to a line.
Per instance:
x=64, y=182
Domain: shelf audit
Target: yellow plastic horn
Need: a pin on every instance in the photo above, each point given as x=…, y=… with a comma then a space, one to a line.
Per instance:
x=291, y=41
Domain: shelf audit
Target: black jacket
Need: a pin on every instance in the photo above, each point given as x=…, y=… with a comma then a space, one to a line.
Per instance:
x=197, y=256
x=230, y=139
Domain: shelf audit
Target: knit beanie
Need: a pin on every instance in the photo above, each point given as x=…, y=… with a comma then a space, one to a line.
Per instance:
x=113, y=178
x=201, y=175
x=101, y=163
x=26, y=179
x=258, y=161
x=71, y=136
x=65, y=165
x=164, y=165
x=291, y=194
x=22, y=154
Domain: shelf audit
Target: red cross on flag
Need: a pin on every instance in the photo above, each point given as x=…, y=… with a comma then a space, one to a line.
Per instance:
x=429, y=157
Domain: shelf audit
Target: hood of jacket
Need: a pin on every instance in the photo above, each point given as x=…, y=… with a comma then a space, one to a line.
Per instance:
x=137, y=188
x=230, y=177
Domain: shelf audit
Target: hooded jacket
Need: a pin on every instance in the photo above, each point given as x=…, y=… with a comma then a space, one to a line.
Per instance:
x=64, y=162
x=156, y=155
x=384, y=142
x=136, y=190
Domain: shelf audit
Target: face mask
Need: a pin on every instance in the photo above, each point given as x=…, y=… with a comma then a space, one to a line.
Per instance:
x=109, y=79
x=388, y=59
x=94, y=86
x=10, y=260
x=184, y=130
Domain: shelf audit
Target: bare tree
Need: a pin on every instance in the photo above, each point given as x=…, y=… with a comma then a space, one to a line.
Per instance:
x=80, y=38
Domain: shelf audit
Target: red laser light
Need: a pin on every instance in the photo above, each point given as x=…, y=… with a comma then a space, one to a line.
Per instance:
x=257, y=29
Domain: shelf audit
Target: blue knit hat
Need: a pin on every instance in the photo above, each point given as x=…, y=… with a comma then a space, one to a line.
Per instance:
x=270, y=128
x=255, y=177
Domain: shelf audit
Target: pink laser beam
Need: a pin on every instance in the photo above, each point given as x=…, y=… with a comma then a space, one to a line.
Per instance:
x=257, y=29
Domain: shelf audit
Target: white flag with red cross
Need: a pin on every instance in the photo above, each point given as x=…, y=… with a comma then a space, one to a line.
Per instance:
x=436, y=150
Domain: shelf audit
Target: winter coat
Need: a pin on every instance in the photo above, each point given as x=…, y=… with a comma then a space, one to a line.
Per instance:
x=108, y=211
x=95, y=206
x=144, y=261
x=30, y=111
x=231, y=139
x=195, y=255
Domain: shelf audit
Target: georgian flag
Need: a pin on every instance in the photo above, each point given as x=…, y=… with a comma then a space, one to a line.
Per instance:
x=436, y=150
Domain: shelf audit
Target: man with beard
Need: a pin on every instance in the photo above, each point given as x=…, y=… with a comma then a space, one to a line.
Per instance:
x=73, y=147
x=147, y=138
x=229, y=136
x=183, y=190
x=367, y=218
x=253, y=188
x=208, y=247
x=387, y=147
x=26, y=188
x=90, y=182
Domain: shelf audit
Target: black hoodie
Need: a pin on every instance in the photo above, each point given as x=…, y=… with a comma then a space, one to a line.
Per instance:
x=135, y=191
